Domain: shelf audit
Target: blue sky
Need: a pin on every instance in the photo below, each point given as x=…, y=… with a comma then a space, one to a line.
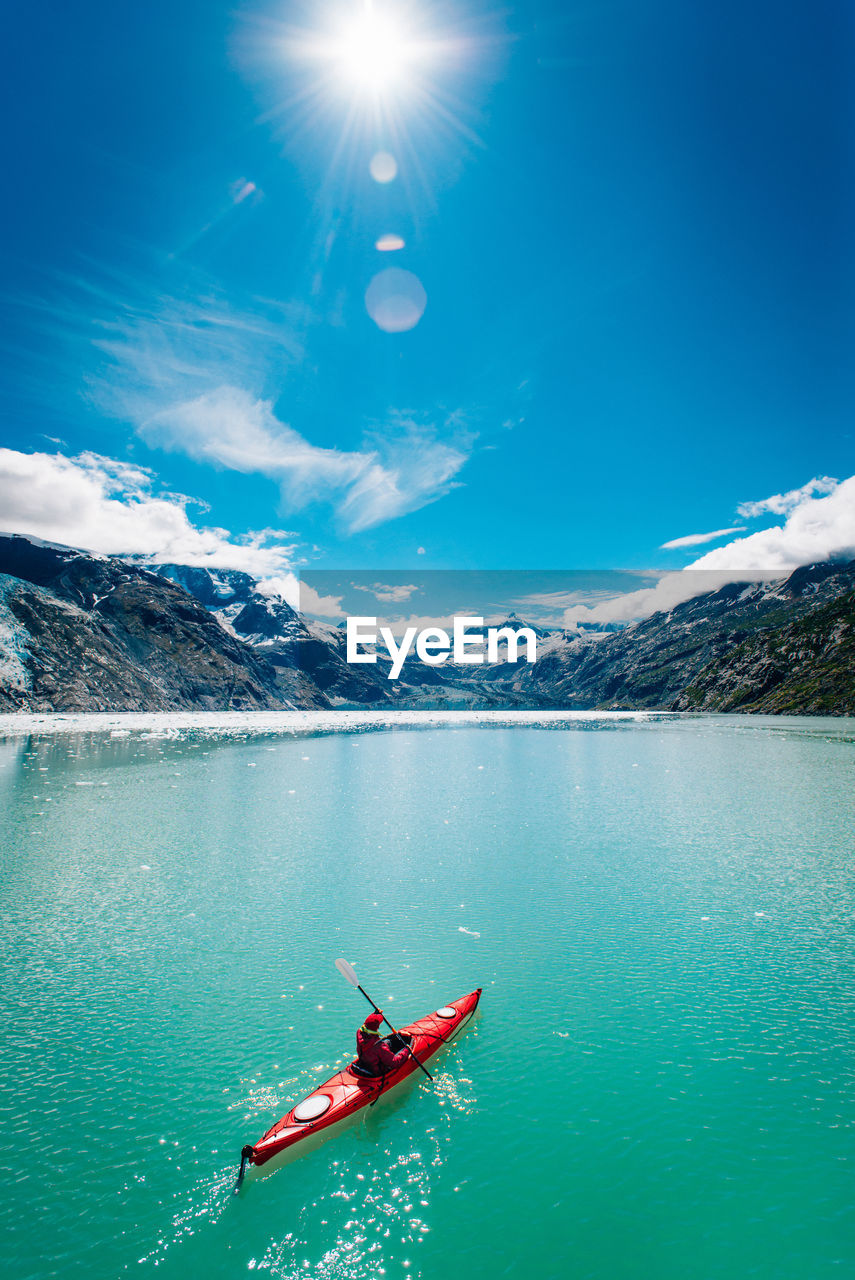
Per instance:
x=631, y=222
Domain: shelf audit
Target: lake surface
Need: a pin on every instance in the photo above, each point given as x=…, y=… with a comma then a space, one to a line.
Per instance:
x=660, y=1081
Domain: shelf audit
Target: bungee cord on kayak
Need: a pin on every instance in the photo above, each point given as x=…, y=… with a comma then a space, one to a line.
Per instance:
x=381, y=1064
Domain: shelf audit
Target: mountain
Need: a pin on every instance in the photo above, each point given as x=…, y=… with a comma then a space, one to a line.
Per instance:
x=86, y=633
x=288, y=642
x=807, y=666
x=515, y=622
x=80, y=633
x=679, y=660
x=652, y=662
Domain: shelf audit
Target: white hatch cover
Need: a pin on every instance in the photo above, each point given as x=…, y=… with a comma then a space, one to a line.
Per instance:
x=446, y=1012
x=312, y=1108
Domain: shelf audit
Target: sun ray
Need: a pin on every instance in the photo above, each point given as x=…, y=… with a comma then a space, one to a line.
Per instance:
x=364, y=78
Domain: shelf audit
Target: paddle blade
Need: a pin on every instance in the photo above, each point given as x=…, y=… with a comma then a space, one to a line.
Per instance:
x=347, y=971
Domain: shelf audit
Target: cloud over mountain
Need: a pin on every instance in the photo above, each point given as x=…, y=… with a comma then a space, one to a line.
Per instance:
x=113, y=508
x=816, y=528
x=819, y=526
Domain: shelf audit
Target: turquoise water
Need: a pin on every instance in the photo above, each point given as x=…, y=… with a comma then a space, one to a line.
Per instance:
x=660, y=1079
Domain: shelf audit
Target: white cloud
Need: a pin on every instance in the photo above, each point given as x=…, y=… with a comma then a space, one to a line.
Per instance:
x=203, y=379
x=110, y=507
x=697, y=539
x=781, y=504
x=553, y=608
x=395, y=474
x=399, y=625
x=321, y=606
x=420, y=551
x=230, y=428
x=301, y=596
x=669, y=591
x=166, y=350
x=388, y=594
x=538, y=602
x=816, y=529
x=411, y=464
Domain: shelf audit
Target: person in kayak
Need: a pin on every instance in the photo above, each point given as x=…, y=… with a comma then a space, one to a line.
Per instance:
x=377, y=1055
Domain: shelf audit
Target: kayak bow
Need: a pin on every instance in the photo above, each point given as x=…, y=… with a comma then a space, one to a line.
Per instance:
x=347, y=1092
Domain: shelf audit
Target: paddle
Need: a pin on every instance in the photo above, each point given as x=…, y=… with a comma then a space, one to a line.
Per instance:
x=347, y=971
x=245, y=1154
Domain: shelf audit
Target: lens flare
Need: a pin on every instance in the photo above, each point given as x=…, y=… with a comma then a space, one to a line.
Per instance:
x=383, y=167
x=395, y=300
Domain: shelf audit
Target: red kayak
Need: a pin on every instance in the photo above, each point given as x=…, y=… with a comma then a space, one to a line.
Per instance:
x=347, y=1091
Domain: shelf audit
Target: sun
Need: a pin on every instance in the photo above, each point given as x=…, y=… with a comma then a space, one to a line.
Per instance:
x=378, y=67
x=373, y=52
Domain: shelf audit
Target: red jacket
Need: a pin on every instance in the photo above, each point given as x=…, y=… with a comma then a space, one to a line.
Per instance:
x=375, y=1055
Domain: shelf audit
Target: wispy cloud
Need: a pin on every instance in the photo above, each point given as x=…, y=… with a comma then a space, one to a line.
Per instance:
x=537, y=602
x=386, y=593
x=160, y=351
x=555, y=608
x=114, y=508
x=402, y=467
x=781, y=504
x=230, y=428
x=697, y=539
x=672, y=589
x=203, y=379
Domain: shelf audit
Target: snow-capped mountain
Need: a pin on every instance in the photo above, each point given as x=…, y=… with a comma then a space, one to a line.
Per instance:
x=87, y=633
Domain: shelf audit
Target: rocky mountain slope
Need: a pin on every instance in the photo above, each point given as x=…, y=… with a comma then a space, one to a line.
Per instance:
x=807, y=666
x=653, y=663
x=85, y=634
x=681, y=660
x=288, y=642
x=78, y=632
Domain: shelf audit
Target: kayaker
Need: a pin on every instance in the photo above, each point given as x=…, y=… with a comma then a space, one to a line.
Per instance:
x=378, y=1054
